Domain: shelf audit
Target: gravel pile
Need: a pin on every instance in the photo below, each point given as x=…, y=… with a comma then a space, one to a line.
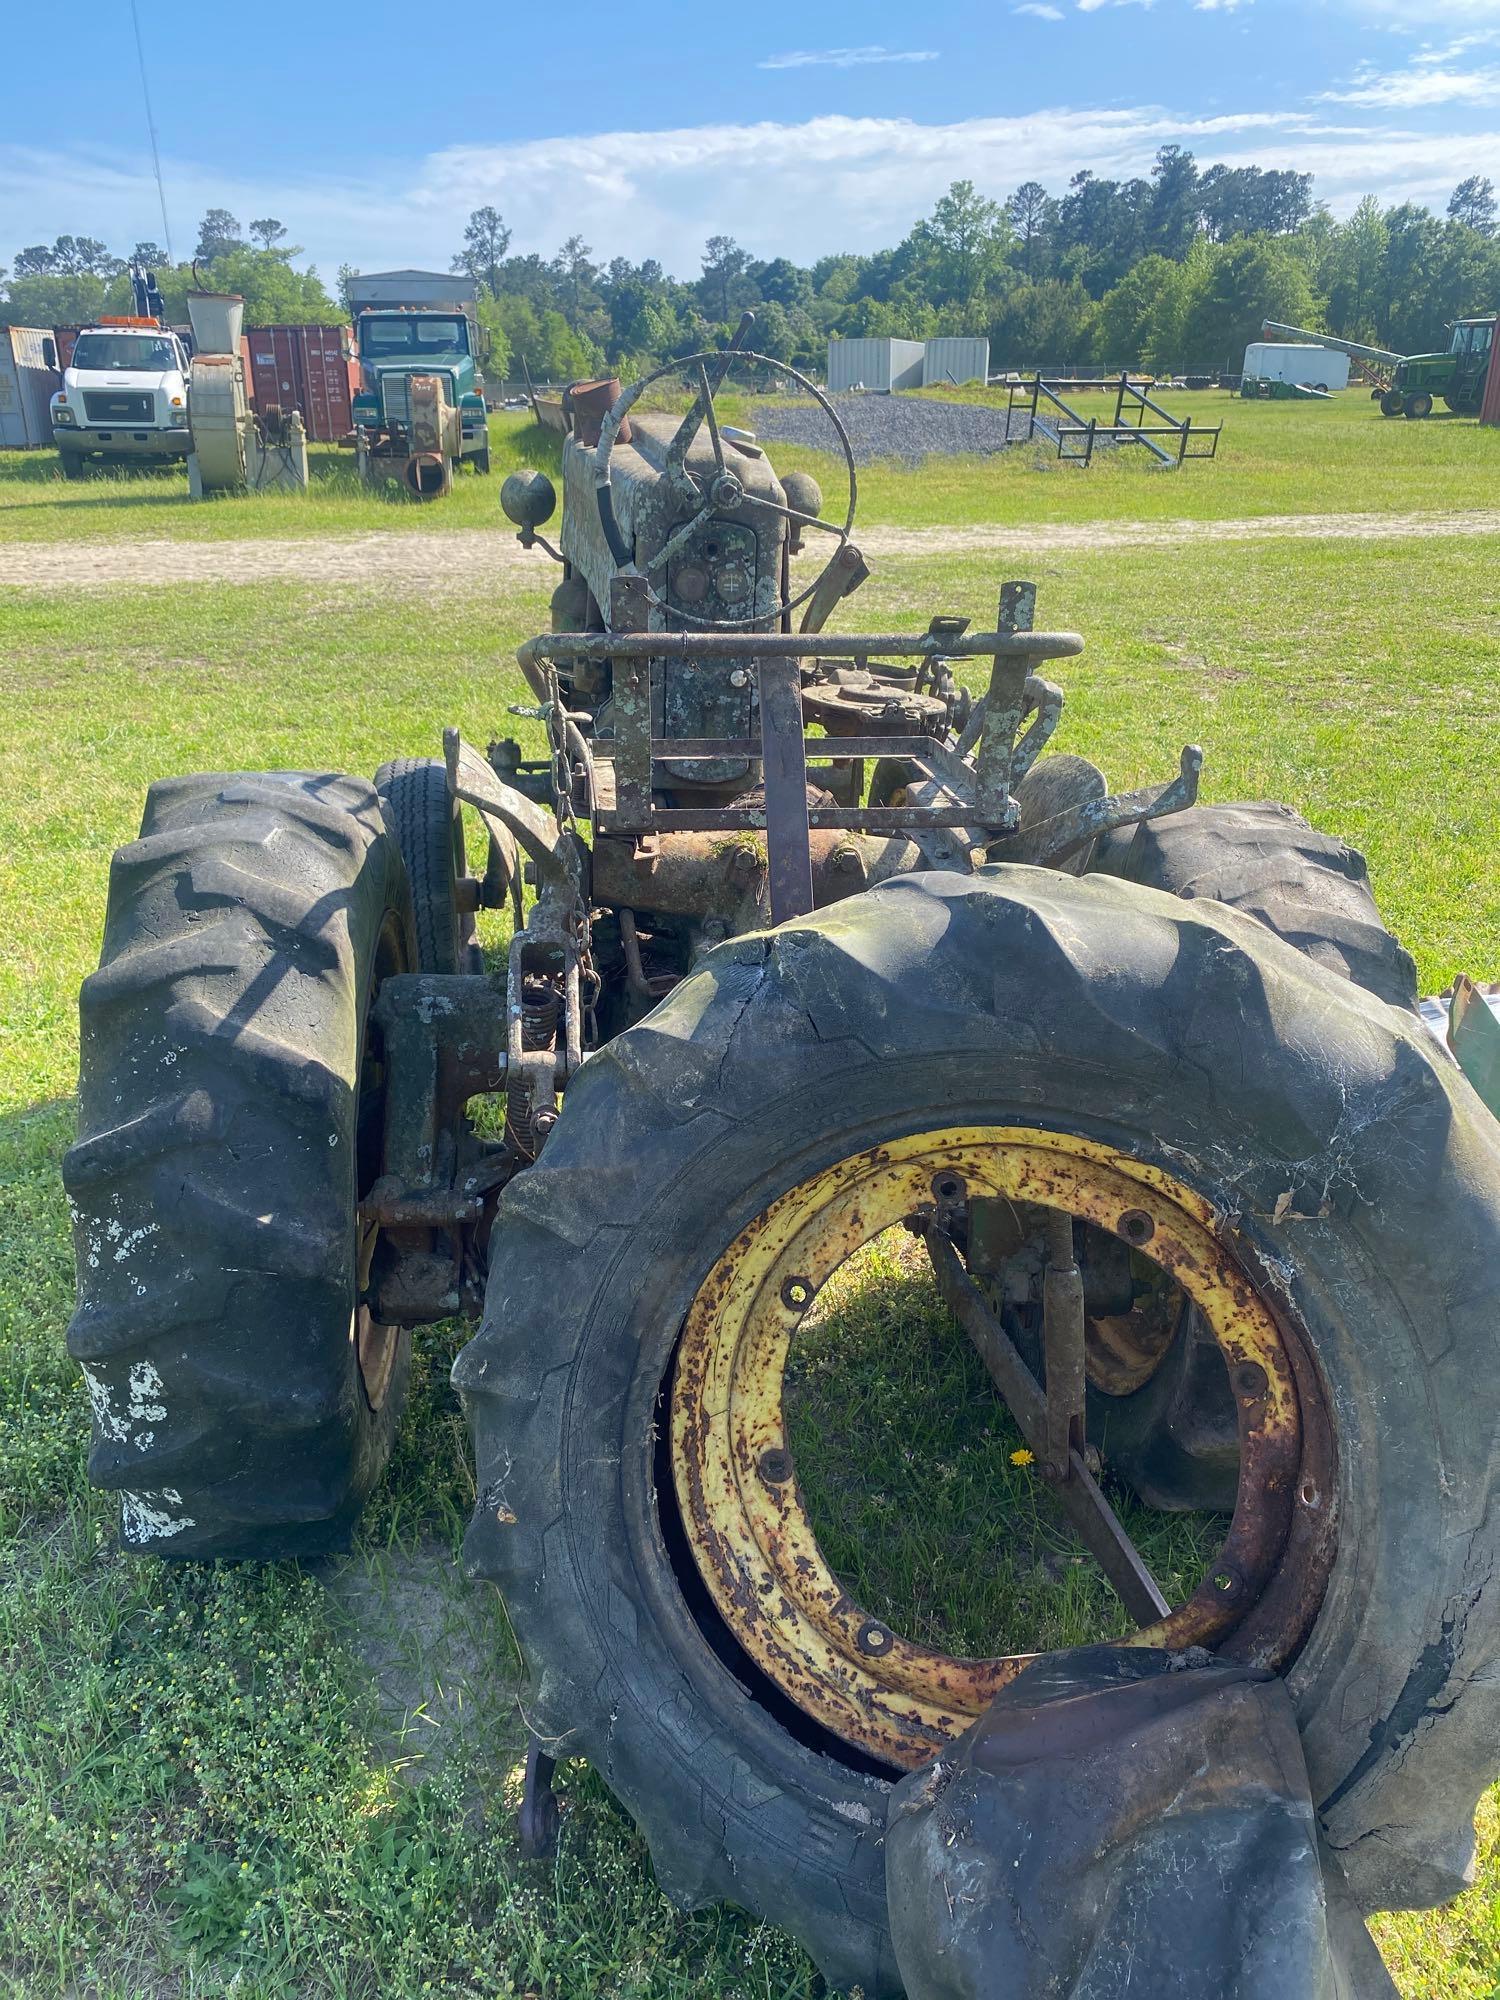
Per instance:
x=907, y=428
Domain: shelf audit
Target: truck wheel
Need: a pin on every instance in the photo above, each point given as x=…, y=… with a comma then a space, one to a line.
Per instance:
x=1418, y=406
x=229, y=1123
x=72, y=463
x=427, y=824
x=482, y=461
x=1112, y=1050
x=1392, y=403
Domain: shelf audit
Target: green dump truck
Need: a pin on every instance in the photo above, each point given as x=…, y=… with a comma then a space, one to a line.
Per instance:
x=1416, y=381
x=419, y=410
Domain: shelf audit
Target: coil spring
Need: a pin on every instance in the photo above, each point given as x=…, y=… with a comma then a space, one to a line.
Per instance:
x=540, y=1008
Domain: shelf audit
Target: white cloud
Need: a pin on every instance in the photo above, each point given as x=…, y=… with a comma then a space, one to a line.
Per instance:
x=799, y=190
x=1415, y=16
x=1040, y=9
x=1417, y=88
x=846, y=58
x=1482, y=38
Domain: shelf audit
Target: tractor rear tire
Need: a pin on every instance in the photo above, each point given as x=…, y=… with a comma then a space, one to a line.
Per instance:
x=1174, y=1439
x=243, y=1405
x=427, y=824
x=1181, y=1034
x=1264, y=860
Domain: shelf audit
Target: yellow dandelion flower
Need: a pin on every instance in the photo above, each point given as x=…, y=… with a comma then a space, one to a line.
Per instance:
x=1023, y=1457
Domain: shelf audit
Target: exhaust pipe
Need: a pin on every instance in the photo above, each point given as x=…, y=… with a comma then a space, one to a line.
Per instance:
x=428, y=474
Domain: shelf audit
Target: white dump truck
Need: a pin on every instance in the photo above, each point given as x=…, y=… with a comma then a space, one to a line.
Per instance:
x=124, y=393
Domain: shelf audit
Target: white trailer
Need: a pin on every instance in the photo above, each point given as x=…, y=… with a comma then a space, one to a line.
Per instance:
x=1297, y=362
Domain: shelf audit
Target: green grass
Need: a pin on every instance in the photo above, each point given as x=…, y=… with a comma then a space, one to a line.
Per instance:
x=1274, y=458
x=217, y=1781
x=37, y=504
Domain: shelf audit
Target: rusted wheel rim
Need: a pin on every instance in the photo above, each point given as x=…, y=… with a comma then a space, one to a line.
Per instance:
x=736, y=1486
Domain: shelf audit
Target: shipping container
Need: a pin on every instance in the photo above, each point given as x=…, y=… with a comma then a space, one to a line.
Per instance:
x=27, y=386
x=304, y=368
x=955, y=358
x=875, y=364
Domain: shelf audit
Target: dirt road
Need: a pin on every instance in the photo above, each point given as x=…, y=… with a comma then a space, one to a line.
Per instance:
x=485, y=561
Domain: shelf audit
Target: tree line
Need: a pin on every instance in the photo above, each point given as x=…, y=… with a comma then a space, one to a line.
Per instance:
x=1177, y=269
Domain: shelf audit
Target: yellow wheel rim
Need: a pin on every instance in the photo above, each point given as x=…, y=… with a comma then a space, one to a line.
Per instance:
x=736, y=1486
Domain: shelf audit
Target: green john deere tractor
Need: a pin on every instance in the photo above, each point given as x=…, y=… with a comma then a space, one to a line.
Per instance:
x=1416, y=381
x=1457, y=376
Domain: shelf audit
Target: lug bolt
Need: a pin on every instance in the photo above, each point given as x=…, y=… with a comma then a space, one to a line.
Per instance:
x=874, y=1639
x=1250, y=1379
x=775, y=1466
x=1136, y=1226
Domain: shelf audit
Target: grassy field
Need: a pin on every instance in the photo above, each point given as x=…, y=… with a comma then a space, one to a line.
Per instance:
x=1274, y=458
x=298, y=1781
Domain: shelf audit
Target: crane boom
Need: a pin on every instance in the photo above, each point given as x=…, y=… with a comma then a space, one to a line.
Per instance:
x=1354, y=347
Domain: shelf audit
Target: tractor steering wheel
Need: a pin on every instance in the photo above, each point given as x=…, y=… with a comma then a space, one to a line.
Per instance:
x=721, y=492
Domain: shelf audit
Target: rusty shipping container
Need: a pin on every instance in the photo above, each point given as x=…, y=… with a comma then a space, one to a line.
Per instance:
x=304, y=368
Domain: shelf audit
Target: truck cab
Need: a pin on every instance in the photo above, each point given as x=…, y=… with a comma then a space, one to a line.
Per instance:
x=396, y=349
x=124, y=393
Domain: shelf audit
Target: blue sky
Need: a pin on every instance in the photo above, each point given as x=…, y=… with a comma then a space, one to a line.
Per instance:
x=833, y=133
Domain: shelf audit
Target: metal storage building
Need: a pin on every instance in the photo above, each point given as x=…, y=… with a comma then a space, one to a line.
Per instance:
x=955, y=358
x=878, y=364
x=26, y=386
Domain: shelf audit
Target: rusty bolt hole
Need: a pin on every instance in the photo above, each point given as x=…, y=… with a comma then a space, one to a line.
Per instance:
x=1250, y=1379
x=1224, y=1581
x=797, y=1294
x=1309, y=1494
x=949, y=1189
x=874, y=1638
x=775, y=1466
x=1136, y=1226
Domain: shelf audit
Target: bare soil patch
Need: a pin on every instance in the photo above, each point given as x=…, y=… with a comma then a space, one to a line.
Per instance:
x=487, y=561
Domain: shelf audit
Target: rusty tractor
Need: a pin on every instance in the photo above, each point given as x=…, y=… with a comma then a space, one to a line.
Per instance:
x=815, y=936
